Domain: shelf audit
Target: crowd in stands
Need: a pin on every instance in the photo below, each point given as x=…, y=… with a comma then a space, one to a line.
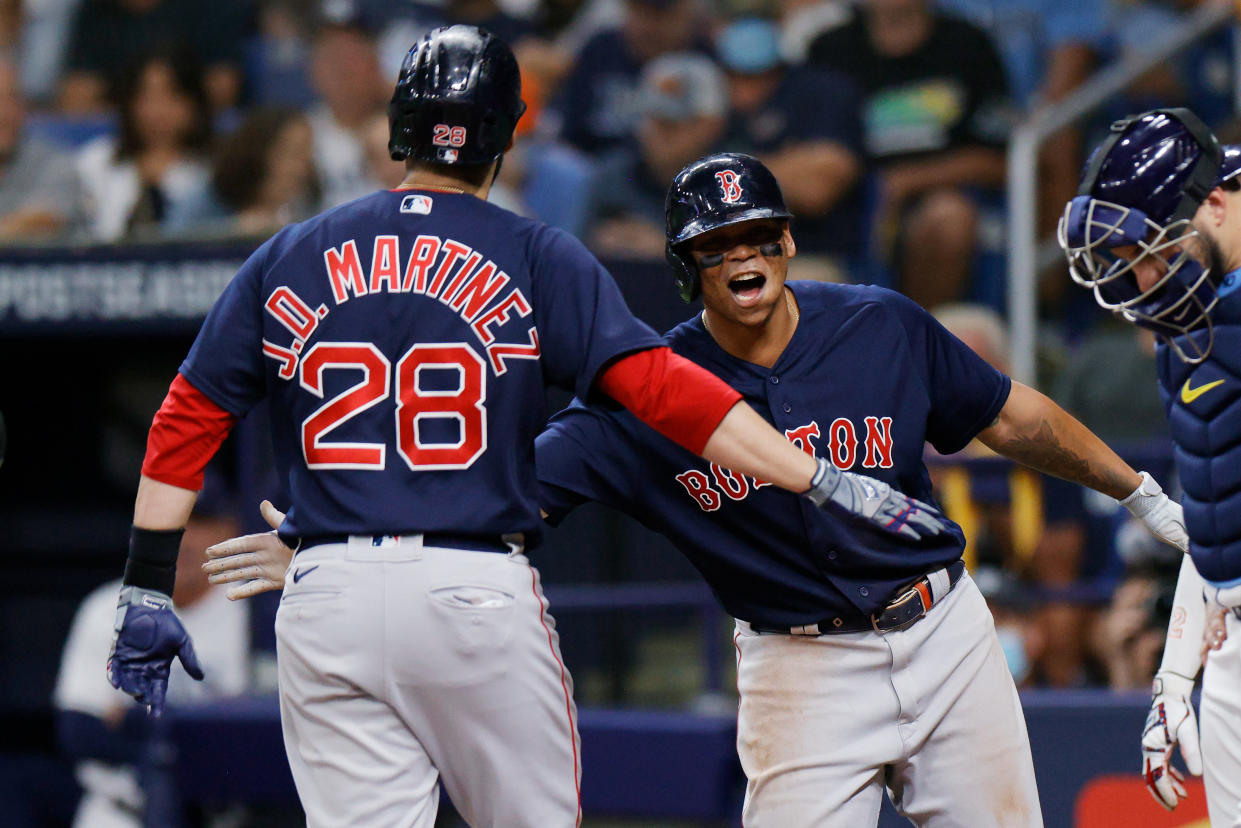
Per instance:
x=885, y=121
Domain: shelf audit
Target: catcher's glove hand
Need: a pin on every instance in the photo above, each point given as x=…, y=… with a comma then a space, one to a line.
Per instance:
x=875, y=502
x=148, y=635
x=1171, y=721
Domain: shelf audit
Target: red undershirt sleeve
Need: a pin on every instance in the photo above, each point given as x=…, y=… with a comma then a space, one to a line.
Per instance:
x=679, y=399
x=186, y=433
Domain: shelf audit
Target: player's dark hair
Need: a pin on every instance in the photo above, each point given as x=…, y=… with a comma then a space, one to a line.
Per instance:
x=243, y=158
x=187, y=76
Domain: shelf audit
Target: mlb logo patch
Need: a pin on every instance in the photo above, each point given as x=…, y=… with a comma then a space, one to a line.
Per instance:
x=418, y=204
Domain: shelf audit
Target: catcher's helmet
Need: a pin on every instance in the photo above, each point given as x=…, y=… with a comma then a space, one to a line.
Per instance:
x=1141, y=189
x=457, y=100
x=713, y=192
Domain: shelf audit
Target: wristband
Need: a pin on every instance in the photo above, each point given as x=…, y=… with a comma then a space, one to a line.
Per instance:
x=152, y=562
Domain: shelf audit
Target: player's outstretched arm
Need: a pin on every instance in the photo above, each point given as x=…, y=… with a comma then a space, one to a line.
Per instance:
x=1171, y=719
x=1036, y=432
x=700, y=412
x=148, y=635
x=185, y=434
x=253, y=563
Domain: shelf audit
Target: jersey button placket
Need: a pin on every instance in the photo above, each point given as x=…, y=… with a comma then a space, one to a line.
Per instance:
x=775, y=380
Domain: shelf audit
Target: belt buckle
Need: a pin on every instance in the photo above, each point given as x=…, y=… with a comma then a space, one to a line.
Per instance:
x=908, y=595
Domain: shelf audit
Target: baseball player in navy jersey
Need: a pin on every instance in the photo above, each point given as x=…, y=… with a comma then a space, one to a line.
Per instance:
x=863, y=662
x=404, y=342
x=1155, y=233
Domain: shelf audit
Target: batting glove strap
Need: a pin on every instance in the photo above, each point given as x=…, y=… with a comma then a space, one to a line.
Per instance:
x=875, y=502
x=1161, y=515
x=148, y=636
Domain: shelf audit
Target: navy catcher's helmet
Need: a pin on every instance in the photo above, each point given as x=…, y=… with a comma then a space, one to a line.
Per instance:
x=457, y=100
x=1141, y=189
x=714, y=192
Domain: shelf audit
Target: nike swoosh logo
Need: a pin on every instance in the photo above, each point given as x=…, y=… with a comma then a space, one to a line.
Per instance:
x=302, y=573
x=1188, y=394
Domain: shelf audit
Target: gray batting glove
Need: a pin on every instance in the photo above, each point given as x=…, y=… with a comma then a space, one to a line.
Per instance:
x=1170, y=722
x=1159, y=514
x=875, y=502
x=253, y=563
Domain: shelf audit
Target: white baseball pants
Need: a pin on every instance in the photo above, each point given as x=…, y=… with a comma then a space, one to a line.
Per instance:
x=930, y=712
x=402, y=667
x=1220, y=727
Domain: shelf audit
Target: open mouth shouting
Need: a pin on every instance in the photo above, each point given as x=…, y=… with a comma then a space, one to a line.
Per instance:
x=747, y=287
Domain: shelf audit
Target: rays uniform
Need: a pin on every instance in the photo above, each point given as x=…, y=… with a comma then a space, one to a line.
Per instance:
x=1201, y=401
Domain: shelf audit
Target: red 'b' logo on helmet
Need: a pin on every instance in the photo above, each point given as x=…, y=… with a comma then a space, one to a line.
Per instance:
x=730, y=185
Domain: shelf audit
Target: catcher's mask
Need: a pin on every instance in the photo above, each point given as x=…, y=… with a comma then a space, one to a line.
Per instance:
x=1140, y=190
x=711, y=193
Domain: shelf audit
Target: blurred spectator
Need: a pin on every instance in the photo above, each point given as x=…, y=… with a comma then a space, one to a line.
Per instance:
x=936, y=115
x=352, y=91
x=683, y=98
x=1129, y=636
x=1020, y=636
x=36, y=180
x=801, y=21
x=1025, y=525
x=401, y=23
x=596, y=107
x=46, y=27
x=109, y=35
x=814, y=151
x=1113, y=370
x=278, y=59
x=131, y=183
x=1049, y=48
x=571, y=23
x=263, y=179
x=102, y=728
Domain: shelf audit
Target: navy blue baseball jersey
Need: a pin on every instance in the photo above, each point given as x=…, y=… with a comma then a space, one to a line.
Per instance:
x=867, y=379
x=404, y=341
x=1202, y=402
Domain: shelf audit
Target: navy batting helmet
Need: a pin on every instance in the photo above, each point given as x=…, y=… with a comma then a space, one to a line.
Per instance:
x=714, y=192
x=1140, y=191
x=457, y=100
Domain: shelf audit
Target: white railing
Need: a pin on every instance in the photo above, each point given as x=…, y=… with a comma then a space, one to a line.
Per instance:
x=1023, y=242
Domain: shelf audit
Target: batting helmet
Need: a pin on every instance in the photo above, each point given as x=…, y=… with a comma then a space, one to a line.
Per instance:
x=714, y=192
x=1140, y=189
x=457, y=100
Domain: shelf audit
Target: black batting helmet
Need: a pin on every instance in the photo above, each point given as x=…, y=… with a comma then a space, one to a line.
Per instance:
x=457, y=100
x=713, y=192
